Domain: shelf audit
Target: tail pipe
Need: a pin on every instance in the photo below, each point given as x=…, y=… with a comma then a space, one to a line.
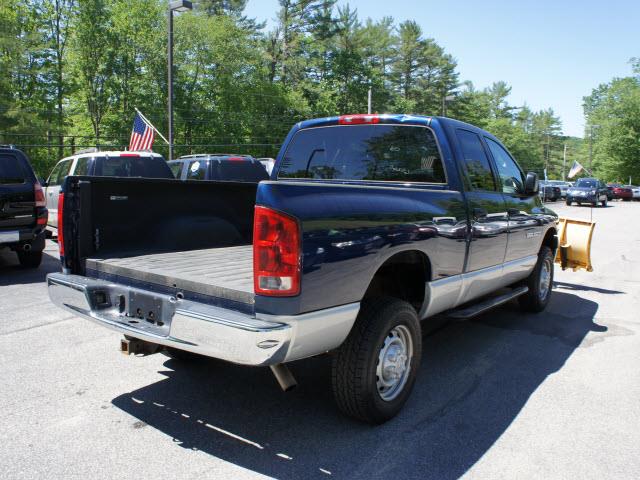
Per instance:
x=26, y=247
x=284, y=377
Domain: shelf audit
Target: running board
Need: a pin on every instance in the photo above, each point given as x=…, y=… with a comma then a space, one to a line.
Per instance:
x=481, y=307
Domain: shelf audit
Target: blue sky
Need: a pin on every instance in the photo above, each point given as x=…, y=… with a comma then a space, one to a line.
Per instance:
x=551, y=53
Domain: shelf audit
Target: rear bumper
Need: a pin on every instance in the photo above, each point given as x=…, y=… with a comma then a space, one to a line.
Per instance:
x=35, y=238
x=200, y=328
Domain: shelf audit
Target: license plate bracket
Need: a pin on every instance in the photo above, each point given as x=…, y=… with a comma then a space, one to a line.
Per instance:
x=145, y=307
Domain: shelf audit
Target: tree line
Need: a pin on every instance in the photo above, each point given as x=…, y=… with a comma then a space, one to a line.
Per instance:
x=72, y=71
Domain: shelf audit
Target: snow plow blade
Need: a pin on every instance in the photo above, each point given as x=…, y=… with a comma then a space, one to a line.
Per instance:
x=574, y=244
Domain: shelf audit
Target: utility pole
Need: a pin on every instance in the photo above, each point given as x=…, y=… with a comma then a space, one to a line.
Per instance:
x=591, y=145
x=369, y=101
x=564, y=163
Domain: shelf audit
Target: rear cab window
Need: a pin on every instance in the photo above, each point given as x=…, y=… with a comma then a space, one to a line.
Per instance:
x=11, y=169
x=132, y=166
x=383, y=152
x=197, y=170
x=238, y=170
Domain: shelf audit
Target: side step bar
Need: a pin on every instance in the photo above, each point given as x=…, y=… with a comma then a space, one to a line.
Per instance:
x=481, y=307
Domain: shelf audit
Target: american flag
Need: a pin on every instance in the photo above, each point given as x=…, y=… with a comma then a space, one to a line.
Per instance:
x=141, y=135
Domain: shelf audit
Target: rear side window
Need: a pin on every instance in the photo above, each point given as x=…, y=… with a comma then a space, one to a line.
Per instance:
x=59, y=173
x=147, y=167
x=476, y=163
x=238, y=171
x=11, y=169
x=197, y=170
x=364, y=152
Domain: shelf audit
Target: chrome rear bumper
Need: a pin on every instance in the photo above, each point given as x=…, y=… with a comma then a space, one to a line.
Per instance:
x=196, y=327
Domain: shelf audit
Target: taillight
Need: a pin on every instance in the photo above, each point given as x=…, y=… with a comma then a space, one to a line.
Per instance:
x=39, y=195
x=236, y=159
x=358, y=119
x=276, y=253
x=60, y=224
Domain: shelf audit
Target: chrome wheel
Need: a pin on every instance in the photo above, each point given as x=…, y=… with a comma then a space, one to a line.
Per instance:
x=545, y=279
x=394, y=363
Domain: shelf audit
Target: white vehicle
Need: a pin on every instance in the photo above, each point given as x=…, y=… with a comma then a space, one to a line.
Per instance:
x=268, y=164
x=95, y=163
x=635, y=190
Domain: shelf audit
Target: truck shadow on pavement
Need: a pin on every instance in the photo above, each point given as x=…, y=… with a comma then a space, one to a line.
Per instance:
x=11, y=273
x=474, y=379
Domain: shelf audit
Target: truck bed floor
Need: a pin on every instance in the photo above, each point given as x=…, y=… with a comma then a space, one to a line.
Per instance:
x=218, y=272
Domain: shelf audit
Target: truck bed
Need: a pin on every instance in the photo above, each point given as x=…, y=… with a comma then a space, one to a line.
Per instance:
x=225, y=273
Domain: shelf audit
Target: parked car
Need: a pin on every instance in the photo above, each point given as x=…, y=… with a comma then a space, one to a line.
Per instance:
x=365, y=230
x=635, y=192
x=95, y=163
x=588, y=190
x=219, y=166
x=549, y=192
x=621, y=192
x=563, y=186
x=23, y=212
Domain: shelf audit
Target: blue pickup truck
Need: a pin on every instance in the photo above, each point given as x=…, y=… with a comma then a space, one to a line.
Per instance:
x=369, y=226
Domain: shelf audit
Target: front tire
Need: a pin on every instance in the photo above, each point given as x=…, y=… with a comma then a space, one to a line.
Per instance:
x=604, y=203
x=30, y=259
x=375, y=369
x=568, y=202
x=540, y=283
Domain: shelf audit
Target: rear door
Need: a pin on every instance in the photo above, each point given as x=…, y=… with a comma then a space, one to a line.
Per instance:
x=16, y=196
x=56, y=178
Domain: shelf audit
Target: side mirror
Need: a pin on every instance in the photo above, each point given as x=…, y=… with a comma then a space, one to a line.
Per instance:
x=531, y=186
x=42, y=181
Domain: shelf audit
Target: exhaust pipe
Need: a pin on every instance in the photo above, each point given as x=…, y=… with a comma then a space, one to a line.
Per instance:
x=26, y=247
x=284, y=377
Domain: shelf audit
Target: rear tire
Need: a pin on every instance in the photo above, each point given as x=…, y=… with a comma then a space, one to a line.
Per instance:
x=375, y=369
x=540, y=283
x=604, y=203
x=30, y=259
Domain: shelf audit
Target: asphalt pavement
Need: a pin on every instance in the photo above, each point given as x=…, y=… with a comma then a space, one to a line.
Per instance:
x=507, y=395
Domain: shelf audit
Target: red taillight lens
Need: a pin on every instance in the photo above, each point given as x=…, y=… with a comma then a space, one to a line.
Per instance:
x=39, y=195
x=359, y=119
x=276, y=253
x=60, y=224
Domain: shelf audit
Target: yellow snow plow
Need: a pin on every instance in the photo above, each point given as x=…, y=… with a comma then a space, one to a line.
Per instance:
x=574, y=244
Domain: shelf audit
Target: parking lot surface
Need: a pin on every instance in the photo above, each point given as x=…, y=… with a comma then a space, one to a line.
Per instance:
x=506, y=395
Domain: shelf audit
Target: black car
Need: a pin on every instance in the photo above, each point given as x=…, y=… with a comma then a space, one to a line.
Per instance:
x=23, y=214
x=588, y=190
x=219, y=166
x=549, y=193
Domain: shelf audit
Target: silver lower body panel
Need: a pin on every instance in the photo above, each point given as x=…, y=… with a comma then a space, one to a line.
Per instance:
x=199, y=328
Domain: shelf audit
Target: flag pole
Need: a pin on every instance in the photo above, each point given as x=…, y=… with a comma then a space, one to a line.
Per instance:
x=151, y=125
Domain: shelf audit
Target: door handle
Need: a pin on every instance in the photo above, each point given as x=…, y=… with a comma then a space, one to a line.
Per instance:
x=479, y=212
x=513, y=212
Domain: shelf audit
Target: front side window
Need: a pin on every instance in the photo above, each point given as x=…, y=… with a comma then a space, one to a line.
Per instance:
x=398, y=153
x=476, y=163
x=59, y=172
x=176, y=168
x=511, y=179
